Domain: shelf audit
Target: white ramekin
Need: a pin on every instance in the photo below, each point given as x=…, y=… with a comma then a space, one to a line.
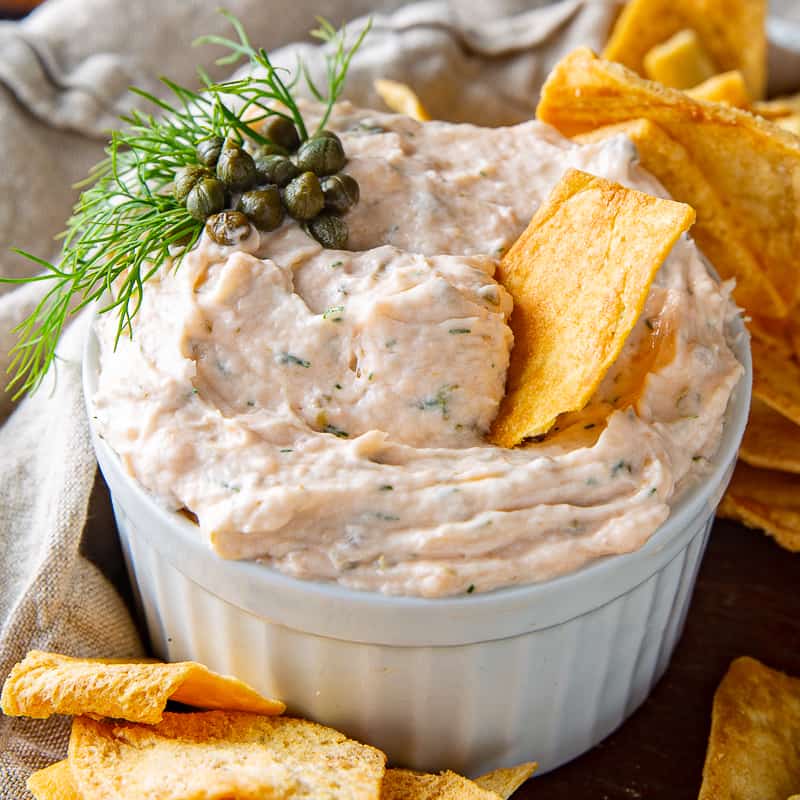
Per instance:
x=540, y=672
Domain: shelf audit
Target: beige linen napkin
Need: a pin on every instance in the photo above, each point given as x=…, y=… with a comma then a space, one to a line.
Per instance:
x=63, y=75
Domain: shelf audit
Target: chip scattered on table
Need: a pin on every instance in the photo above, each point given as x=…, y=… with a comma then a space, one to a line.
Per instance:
x=728, y=88
x=213, y=755
x=53, y=783
x=714, y=231
x=504, y=782
x=766, y=499
x=752, y=165
x=579, y=276
x=681, y=62
x=754, y=745
x=48, y=683
x=401, y=98
x=733, y=32
x=404, y=784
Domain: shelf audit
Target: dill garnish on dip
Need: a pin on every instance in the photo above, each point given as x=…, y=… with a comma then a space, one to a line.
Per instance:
x=166, y=178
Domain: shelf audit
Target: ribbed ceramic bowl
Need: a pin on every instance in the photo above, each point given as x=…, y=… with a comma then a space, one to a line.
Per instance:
x=540, y=672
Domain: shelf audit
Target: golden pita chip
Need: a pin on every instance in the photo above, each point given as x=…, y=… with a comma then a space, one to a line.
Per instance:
x=771, y=441
x=727, y=88
x=401, y=98
x=790, y=123
x=754, y=745
x=504, y=782
x=579, y=276
x=767, y=500
x=53, y=783
x=681, y=62
x=733, y=32
x=776, y=379
x=48, y=683
x=403, y=784
x=777, y=107
x=218, y=754
x=777, y=333
x=714, y=230
x=752, y=165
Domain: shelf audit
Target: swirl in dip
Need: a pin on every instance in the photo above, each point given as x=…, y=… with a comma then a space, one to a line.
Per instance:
x=325, y=411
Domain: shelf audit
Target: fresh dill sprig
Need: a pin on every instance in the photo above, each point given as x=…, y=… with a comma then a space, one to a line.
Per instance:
x=262, y=92
x=127, y=223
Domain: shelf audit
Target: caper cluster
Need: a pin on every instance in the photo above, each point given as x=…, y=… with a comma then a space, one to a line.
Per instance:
x=285, y=176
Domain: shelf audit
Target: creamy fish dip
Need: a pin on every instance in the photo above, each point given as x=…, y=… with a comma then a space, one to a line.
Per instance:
x=325, y=411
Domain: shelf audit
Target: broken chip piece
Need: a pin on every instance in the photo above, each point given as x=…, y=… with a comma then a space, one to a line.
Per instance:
x=504, y=782
x=765, y=499
x=771, y=441
x=714, y=230
x=777, y=107
x=727, y=88
x=776, y=379
x=753, y=751
x=579, y=276
x=48, y=683
x=401, y=98
x=404, y=784
x=218, y=754
x=750, y=163
x=733, y=32
x=53, y=783
x=681, y=62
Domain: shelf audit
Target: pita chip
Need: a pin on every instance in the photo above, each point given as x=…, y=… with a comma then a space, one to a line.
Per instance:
x=714, y=230
x=754, y=745
x=217, y=755
x=732, y=31
x=504, y=782
x=48, y=683
x=403, y=784
x=53, y=783
x=579, y=276
x=767, y=500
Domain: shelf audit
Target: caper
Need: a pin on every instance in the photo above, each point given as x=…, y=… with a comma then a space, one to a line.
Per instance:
x=323, y=134
x=268, y=149
x=341, y=192
x=206, y=197
x=236, y=169
x=303, y=196
x=329, y=230
x=322, y=155
x=228, y=227
x=186, y=177
x=276, y=169
x=263, y=207
x=208, y=150
x=281, y=131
